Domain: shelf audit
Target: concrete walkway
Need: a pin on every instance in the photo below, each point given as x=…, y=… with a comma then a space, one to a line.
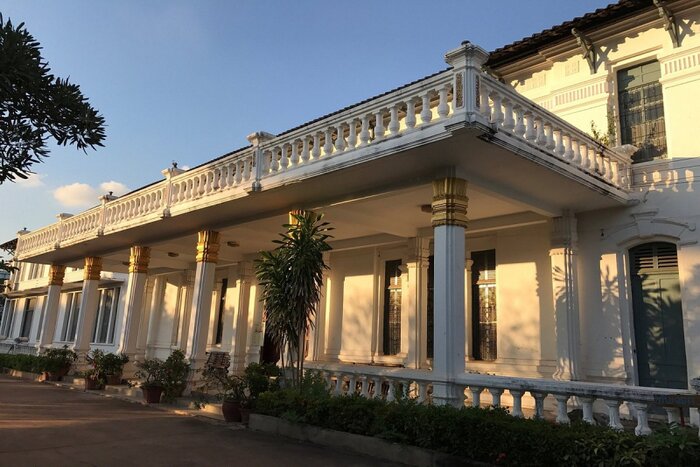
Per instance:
x=41, y=424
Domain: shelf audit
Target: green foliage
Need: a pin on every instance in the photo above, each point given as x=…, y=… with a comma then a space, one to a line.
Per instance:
x=487, y=435
x=176, y=370
x=257, y=379
x=35, y=105
x=609, y=138
x=59, y=358
x=28, y=363
x=291, y=277
x=152, y=372
x=113, y=364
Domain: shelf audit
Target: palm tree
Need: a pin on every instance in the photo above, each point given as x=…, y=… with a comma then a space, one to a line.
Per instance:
x=291, y=277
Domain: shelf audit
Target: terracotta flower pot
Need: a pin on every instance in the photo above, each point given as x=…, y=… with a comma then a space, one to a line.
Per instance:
x=231, y=411
x=152, y=394
x=93, y=384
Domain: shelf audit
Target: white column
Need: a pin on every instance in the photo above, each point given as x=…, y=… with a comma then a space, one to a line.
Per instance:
x=239, y=344
x=88, y=305
x=565, y=295
x=144, y=320
x=207, y=256
x=416, y=303
x=449, y=223
x=468, y=321
x=135, y=288
x=156, y=308
x=255, y=325
x=53, y=298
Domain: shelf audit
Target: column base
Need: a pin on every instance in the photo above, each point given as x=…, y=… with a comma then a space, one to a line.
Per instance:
x=448, y=394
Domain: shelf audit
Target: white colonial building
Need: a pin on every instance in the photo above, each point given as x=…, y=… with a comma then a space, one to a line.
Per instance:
x=484, y=240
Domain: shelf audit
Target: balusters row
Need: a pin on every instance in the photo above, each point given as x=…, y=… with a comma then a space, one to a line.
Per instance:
x=134, y=206
x=381, y=387
x=640, y=412
x=360, y=131
x=217, y=178
x=514, y=115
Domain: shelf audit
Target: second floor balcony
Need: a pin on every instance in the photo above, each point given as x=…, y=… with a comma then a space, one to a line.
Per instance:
x=458, y=119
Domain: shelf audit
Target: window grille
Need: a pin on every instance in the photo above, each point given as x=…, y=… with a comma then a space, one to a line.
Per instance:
x=392, y=308
x=642, y=121
x=484, y=318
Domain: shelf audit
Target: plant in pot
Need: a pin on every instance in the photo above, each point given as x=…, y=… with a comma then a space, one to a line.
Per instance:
x=113, y=366
x=57, y=363
x=152, y=373
x=176, y=370
x=95, y=376
x=231, y=390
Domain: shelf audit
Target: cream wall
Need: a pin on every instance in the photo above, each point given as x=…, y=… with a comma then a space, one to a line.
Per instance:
x=559, y=78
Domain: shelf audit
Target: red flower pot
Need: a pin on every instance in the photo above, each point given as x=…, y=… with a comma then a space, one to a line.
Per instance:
x=231, y=411
x=152, y=394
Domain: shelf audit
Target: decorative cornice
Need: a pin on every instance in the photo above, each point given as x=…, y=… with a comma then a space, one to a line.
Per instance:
x=450, y=202
x=93, y=268
x=138, y=261
x=56, y=274
x=208, y=246
x=564, y=232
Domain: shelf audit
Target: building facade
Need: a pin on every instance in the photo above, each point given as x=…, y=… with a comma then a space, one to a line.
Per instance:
x=524, y=221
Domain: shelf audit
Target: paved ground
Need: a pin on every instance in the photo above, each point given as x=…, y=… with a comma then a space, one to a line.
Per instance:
x=41, y=424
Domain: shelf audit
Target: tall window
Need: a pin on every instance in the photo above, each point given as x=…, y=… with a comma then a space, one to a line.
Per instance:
x=392, y=308
x=484, y=305
x=70, y=317
x=8, y=318
x=106, y=316
x=28, y=317
x=642, y=111
x=220, y=312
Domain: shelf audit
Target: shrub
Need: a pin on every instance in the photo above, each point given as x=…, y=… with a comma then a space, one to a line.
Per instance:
x=28, y=363
x=488, y=435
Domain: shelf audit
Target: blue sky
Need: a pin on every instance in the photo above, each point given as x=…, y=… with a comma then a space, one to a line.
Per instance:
x=186, y=81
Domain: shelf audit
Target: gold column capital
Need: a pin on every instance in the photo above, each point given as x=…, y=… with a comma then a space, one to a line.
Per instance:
x=139, y=258
x=450, y=202
x=56, y=274
x=295, y=212
x=93, y=268
x=208, y=246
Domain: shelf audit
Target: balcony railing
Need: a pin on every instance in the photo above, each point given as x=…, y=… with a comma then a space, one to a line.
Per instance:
x=412, y=115
x=389, y=383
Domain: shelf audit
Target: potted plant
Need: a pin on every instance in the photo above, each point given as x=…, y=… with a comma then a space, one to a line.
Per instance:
x=94, y=377
x=57, y=363
x=152, y=372
x=231, y=390
x=176, y=370
x=113, y=366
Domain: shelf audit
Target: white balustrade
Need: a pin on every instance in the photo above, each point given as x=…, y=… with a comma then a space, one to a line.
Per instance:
x=390, y=383
x=386, y=119
x=503, y=107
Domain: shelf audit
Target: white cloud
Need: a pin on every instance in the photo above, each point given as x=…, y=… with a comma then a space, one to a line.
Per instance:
x=33, y=181
x=76, y=195
x=82, y=195
x=116, y=188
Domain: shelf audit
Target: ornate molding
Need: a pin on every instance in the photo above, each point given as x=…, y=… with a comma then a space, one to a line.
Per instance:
x=564, y=233
x=647, y=224
x=93, y=268
x=450, y=202
x=56, y=274
x=208, y=246
x=138, y=261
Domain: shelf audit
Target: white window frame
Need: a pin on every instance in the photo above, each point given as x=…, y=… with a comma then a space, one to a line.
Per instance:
x=8, y=317
x=106, y=315
x=70, y=315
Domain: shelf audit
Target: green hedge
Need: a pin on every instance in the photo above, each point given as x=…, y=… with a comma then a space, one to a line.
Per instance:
x=488, y=435
x=29, y=363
